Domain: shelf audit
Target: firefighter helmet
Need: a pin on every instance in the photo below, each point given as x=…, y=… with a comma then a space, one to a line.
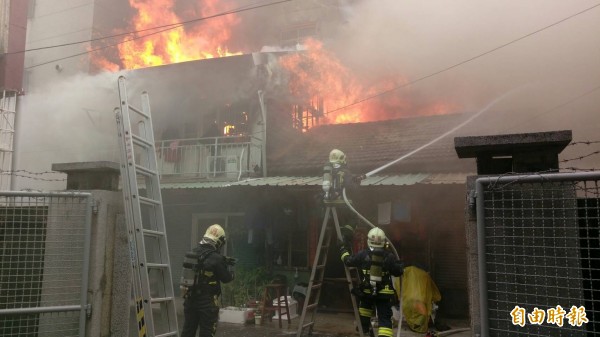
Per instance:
x=376, y=238
x=337, y=157
x=216, y=234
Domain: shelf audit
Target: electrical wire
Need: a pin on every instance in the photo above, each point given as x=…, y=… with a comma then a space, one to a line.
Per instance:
x=555, y=108
x=170, y=26
x=535, y=116
x=462, y=62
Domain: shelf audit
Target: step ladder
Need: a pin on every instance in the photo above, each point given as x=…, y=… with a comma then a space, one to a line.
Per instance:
x=151, y=278
x=315, y=284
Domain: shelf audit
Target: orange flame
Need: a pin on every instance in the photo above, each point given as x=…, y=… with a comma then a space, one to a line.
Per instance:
x=319, y=73
x=314, y=73
x=194, y=41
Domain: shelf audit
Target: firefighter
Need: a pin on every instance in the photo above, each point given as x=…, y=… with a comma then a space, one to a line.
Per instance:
x=336, y=176
x=201, y=290
x=376, y=266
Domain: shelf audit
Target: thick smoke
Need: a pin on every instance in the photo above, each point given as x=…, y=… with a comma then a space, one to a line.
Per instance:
x=67, y=121
x=417, y=39
x=554, y=73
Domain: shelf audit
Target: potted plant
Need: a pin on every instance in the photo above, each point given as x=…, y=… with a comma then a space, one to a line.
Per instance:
x=240, y=298
x=247, y=286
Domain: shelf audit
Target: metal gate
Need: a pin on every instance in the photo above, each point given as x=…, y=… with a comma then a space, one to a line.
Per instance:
x=539, y=254
x=44, y=262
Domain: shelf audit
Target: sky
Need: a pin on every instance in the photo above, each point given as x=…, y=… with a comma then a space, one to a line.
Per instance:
x=465, y=52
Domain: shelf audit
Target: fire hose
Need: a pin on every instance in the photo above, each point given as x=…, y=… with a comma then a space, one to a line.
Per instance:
x=383, y=167
x=379, y=169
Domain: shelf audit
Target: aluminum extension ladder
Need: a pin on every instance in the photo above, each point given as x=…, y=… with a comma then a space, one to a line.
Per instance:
x=317, y=274
x=152, y=283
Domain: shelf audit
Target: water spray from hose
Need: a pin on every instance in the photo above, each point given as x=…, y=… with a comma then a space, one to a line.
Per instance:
x=379, y=169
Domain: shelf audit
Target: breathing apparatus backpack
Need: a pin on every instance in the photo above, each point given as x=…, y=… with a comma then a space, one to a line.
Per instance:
x=192, y=268
x=376, y=269
x=333, y=181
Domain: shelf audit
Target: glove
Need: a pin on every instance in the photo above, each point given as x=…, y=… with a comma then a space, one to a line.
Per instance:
x=342, y=248
x=230, y=261
x=185, y=291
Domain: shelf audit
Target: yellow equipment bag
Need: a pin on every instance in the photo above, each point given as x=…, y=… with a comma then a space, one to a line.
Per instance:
x=418, y=294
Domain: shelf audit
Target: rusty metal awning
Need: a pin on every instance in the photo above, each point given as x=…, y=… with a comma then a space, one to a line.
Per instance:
x=389, y=180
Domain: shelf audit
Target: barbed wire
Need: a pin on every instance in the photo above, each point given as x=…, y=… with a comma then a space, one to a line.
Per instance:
x=585, y=142
x=495, y=184
x=580, y=169
x=21, y=174
x=576, y=184
x=580, y=157
x=30, y=172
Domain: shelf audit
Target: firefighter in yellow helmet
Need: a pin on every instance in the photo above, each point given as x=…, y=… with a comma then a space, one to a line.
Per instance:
x=336, y=176
x=207, y=269
x=376, y=266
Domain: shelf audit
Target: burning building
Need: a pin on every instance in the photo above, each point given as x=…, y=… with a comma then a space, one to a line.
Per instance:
x=242, y=140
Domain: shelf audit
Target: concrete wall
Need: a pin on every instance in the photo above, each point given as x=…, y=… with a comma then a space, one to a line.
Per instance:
x=110, y=272
x=63, y=262
x=472, y=258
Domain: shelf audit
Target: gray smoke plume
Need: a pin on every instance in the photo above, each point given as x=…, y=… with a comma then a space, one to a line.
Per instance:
x=417, y=39
x=67, y=121
x=435, y=44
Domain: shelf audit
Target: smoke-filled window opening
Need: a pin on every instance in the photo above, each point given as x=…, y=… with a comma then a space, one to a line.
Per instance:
x=305, y=116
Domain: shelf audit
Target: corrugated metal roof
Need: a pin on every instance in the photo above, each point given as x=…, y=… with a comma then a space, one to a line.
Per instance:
x=391, y=180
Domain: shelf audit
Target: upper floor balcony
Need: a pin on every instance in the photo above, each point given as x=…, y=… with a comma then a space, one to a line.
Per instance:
x=213, y=158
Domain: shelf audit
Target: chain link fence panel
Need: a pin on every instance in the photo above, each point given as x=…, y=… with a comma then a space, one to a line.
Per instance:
x=44, y=263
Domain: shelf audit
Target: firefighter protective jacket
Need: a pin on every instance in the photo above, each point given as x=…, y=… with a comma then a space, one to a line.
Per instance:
x=362, y=261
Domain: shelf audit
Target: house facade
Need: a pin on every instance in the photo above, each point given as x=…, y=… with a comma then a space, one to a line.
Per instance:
x=236, y=148
x=272, y=208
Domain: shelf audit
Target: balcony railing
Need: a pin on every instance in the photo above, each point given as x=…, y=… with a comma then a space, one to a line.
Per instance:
x=218, y=158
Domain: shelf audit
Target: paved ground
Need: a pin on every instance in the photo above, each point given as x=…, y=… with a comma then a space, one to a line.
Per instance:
x=326, y=325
